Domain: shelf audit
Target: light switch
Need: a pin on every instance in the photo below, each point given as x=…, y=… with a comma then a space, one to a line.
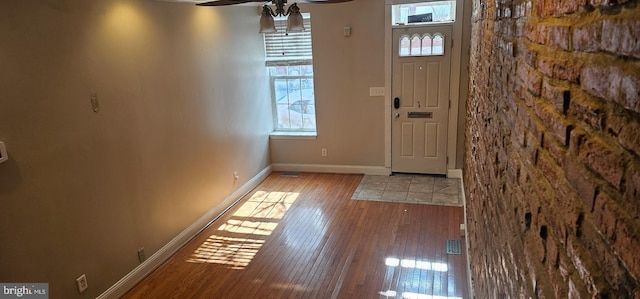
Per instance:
x=376, y=91
x=347, y=31
x=3, y=153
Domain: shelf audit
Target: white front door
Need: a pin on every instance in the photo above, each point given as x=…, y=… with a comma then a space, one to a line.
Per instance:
x=420, y=99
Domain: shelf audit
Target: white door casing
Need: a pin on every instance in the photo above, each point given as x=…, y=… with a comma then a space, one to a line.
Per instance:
x=420, y=81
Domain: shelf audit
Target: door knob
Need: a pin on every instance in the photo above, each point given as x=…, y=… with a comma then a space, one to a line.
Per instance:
x=397, y=115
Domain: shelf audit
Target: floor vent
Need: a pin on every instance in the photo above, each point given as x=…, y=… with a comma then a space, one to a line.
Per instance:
x=453, y=247
x=291, y=174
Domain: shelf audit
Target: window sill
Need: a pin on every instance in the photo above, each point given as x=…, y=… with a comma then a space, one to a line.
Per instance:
x=293, y=135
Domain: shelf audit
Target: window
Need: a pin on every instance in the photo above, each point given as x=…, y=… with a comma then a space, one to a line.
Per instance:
x=425, y=45
x=425, y=12
x=289, y=60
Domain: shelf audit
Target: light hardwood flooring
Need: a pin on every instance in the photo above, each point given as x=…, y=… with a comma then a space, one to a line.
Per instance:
x=303, y=237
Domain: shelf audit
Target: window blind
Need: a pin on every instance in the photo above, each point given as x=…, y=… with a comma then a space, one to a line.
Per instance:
x=293, y=48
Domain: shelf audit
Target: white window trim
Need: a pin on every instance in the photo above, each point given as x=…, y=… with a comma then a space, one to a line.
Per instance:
x=304, y=59
x=311, y=135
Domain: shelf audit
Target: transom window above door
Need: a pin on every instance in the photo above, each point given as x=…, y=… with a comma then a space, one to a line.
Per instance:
x=423, y=13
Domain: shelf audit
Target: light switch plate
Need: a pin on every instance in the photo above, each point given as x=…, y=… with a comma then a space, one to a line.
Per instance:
x=3, y=153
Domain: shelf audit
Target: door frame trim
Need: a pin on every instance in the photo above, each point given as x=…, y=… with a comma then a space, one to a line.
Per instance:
x=454, y=82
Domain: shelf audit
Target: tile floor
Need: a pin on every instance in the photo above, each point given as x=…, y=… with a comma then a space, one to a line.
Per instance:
x=421, y=189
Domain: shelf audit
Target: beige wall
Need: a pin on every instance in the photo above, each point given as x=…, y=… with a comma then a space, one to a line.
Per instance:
x=350, y=123
x=83, y=191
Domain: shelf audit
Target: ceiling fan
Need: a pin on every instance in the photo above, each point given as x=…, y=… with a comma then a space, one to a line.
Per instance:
x=267, y=25
x=275, y=2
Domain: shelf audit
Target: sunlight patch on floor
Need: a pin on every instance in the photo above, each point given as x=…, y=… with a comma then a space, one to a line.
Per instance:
x=239, y=239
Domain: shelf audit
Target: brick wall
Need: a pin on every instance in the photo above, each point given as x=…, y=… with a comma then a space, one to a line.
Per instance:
x=552, y=162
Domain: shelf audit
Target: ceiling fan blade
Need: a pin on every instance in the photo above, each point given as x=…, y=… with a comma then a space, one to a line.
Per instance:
x=232, y=2
x=226, y=2
x=322, y=1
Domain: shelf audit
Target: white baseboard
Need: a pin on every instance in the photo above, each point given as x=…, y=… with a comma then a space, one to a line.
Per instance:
x=466, y=237
x=322, y=168
x=154, y=261
x=454, y=173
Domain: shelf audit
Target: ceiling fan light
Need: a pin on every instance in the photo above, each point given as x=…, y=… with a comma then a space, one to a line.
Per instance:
x=267, y=24
x=295, y=22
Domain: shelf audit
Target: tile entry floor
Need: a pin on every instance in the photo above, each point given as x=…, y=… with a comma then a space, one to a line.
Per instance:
x=420, y=189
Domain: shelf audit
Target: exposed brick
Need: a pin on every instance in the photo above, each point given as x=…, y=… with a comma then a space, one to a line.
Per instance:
x=605, y=214
x=539, y=9
x=576, y=139
x=555, y=95
x=550, y=7
x=559, y=37
x=623, y=285
x=632, y=194
x=621, y=36
x=587, y=38
x=627, y=129
x=579, y=179
x=556, y=151
x=531, y=79
x=552, y=254
x=587, y=111
x=585, y=268
x=529, y=56
x=601, y=81
x=604, y=160
x=627, y=245
x=613, y=84
x=554, y=122
x=630, y=92
x=602, y=3
x=545, y=66
x=551, y=159
x=550, y=171
x=567, y=70
x=570, y=6
x=535, y=246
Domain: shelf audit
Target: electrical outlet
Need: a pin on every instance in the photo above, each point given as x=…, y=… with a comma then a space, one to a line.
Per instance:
x=235, y=175
x=324, y=152
x=141, y=256
x=82, y=283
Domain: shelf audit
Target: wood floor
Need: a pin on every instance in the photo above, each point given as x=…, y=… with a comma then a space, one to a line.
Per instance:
x=303, y=237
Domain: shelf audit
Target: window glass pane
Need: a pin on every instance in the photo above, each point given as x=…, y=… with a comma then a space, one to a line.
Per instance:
x=307, y=90
x=295, y=104
x=426, y=45
x=295, y=115
x=405, y=44
x=435, y=11
x=416, y=45
x=294, y=89
x=278, y=70
x=283, y=116
x=438, y=45
x=280, y=86
x=306, y=70
x=309, y=116
x=294, y=70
